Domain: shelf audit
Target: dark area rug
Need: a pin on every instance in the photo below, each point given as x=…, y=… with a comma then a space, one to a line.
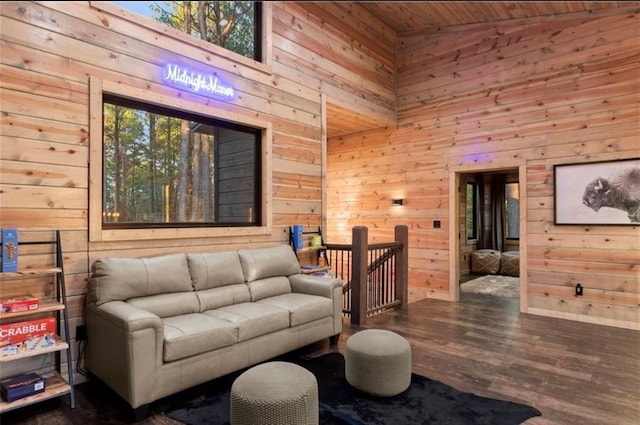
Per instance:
x=425, y=402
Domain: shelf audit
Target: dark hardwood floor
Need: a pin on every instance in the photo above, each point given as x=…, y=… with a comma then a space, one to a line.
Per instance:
x=574, y=373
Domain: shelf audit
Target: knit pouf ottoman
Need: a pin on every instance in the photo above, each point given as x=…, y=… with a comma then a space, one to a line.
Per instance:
x=485, y=261
x=378, y=362
x=510, y=263
x=275, y=393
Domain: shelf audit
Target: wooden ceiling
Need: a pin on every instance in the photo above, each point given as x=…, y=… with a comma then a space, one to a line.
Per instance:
x=410, y=18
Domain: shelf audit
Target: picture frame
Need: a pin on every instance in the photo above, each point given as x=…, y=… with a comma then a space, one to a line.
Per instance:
x=597, y=193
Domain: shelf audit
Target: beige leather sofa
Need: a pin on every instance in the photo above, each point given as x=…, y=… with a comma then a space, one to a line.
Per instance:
x=158, y=325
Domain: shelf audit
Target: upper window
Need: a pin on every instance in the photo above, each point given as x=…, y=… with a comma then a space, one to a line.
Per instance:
x=512, y=208
x=234, y=25
x=168, y=168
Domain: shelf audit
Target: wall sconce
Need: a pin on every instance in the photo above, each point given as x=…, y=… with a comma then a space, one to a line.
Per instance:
x=397, y=202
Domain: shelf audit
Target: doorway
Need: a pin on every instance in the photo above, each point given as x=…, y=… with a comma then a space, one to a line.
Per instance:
x=481, y=199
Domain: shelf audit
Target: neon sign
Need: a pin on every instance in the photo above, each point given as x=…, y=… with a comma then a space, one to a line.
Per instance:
x=197, y=82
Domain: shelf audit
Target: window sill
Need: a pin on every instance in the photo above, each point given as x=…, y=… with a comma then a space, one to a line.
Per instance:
x=116, y=235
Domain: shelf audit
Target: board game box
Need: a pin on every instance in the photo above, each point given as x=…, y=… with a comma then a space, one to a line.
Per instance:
x=21, y=386
x=27, y=336
x=9, y=250
x=18, y=303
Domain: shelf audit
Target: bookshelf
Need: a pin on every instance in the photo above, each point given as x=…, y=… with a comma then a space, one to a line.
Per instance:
x=58, y=382
x=308, y=254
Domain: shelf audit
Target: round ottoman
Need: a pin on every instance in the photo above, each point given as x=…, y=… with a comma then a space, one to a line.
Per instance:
x=510, y=263
x=485, y=261
x=275, y=393
x=378, y=362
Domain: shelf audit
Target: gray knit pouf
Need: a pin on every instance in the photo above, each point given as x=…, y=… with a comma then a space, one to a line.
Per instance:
x=510, y=263
x=275, y=393
x=378, y=362
x=485, y=261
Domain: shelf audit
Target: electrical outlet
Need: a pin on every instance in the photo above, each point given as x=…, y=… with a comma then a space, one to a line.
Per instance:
x=579, y=289
x=81, y=333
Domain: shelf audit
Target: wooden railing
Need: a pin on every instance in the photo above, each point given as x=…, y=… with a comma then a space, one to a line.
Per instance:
x=374, y=275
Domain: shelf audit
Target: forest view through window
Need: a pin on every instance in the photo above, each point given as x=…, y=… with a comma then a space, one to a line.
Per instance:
x=234, y=25
x=166, y=168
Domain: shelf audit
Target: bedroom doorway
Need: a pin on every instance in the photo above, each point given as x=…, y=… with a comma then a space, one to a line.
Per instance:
x=491, y=233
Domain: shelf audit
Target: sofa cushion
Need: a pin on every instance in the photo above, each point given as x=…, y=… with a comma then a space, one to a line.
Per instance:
x=190, y=334
x=167, y=305
x=212, y=270
x=119, y=279
x=302, y=308
x=260, y=263
x=253, y=319
x=225, y=295
x=269, y=287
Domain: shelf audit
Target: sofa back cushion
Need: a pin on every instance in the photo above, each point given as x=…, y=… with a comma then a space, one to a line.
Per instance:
x=261, y=263
x=215, y=269
x=269, y=287
x=217, y=278
x=120, y=279
x=223, y=296
x=168, y=305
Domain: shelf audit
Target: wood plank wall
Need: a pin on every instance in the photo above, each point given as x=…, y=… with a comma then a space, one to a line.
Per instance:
x=346, y=53
x=50, y=50
x=530, y=93
x=542, y=93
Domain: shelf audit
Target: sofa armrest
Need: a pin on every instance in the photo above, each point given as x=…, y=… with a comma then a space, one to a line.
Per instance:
x=325, y=287
x=314, y=285
x=124, y=348
x=127, y=317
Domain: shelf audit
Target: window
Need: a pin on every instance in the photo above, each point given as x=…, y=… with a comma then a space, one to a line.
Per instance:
x=169, y=168
x=472, y=211
x=512, y=205
x=234, y=25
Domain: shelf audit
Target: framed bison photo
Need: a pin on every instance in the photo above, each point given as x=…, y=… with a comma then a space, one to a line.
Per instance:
x=603, y=192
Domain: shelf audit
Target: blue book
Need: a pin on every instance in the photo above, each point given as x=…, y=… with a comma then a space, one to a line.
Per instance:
x=9, y=250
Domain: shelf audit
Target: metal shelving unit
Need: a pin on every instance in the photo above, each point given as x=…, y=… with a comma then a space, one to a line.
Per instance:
x=56, y=384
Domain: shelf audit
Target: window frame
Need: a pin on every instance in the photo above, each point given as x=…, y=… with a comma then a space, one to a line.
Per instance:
x=263, y=30
x=202, y=119
x=98, y=232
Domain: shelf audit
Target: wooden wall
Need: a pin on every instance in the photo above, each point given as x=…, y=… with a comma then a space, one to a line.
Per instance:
x=534, y=93
x=526, y=94
x=51, y=51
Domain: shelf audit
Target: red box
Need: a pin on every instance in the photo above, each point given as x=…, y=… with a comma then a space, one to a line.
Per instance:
x=27, y=336
x=20, y=303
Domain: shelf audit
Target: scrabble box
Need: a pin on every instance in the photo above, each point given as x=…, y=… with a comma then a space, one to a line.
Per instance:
x=26, y=336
